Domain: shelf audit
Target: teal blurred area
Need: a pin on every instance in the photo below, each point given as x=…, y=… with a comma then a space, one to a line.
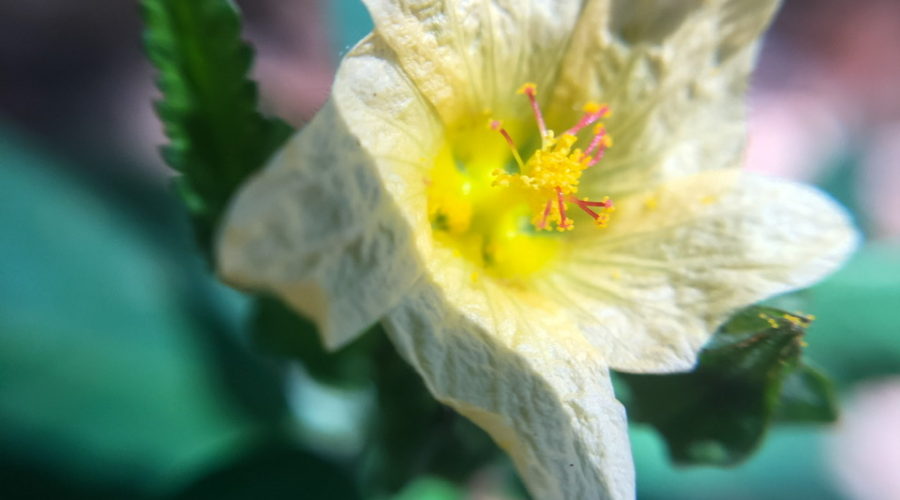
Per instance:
x=127, y=371
x=98, y=336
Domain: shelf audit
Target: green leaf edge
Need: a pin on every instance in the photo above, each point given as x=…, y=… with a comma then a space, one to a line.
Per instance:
x=743, y=327
x=209, y=106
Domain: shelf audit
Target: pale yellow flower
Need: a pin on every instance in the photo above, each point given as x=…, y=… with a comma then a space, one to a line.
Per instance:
x=402, y=202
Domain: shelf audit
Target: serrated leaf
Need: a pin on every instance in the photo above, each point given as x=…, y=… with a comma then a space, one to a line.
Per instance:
x=807, y=396
x=719, y=413
x=209, y=105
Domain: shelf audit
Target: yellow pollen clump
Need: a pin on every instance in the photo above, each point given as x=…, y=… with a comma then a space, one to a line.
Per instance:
x=799, y=319
x=770, y=320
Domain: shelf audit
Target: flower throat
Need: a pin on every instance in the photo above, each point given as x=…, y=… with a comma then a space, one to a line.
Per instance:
x=503, y=215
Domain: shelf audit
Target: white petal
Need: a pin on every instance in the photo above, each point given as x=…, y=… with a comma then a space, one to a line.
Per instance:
x=675, y=74
x=676, y=263
x=467, y=56
x=526, y=376
x=321, y=227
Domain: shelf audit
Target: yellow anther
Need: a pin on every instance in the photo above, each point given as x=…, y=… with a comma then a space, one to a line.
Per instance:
x=798, y=319
x=592, y=107
x=607, y=141
x=528, y=88
x=770, y=320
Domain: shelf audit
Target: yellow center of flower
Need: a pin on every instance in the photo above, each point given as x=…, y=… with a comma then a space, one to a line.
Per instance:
x=502, y=214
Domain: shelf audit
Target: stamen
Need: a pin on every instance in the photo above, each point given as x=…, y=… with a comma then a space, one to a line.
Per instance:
x=563, y=220
x=530, y=91
x=496, y=125
x=584, y=206
x=585, y=202
x=601, y=219
x=592, y=113
x=601, y=142
x=547, y=208
x=554, y=170
x=598, y=139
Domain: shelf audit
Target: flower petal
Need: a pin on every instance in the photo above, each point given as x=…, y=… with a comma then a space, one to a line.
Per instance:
x=675, y=73
x=523, y=373
x=317, y=227
x=469, y=56
x=676, y=262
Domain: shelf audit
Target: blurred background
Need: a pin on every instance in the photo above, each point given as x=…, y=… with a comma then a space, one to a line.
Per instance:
x=126, y=371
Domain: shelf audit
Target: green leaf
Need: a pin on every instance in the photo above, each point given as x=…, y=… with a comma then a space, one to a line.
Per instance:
x=413, y=434
x=281, y=332
x=718, y=414
x=274, y=472
x=429, y=488
x=209, y=106
x=807, y=396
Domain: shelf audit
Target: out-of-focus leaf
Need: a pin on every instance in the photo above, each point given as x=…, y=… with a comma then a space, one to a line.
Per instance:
x=102, y=377
x=413, y=434
x=209, y=106
x=34, y=481
x=807, y=396
x=719, y=413
x=278, y=330
x=275, y=473
x=428, y=488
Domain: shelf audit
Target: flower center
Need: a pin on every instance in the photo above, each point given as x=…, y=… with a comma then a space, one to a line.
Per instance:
x=501, y=214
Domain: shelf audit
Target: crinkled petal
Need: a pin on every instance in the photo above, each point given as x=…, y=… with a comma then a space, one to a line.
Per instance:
x=468, y=56
x=317, y=228
x=676, y=262
x=526, y=376
x=675, y=74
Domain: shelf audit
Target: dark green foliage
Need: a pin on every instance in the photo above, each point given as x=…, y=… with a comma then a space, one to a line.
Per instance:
x=750, y=373
x=274, y=472
x=209, y=106
x=279, y=331
x=411, y=433
x=807, y=396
